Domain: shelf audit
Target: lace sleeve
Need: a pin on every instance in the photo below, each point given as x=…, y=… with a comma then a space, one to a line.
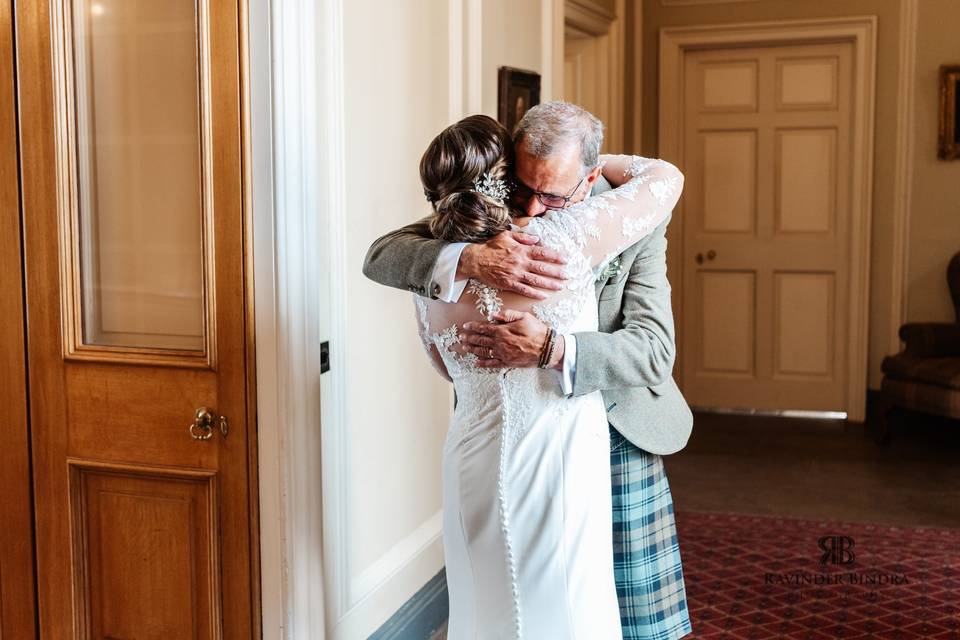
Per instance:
x=589, y=234
x=599, y=228
x=423, y=329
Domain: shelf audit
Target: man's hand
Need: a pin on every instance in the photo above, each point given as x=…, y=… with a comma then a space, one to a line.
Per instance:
x=514, y=343
x=511, y=261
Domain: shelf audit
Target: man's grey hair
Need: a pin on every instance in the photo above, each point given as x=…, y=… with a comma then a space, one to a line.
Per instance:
x=549, y=127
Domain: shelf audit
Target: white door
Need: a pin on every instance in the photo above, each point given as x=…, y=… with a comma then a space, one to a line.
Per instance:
x=766, y=233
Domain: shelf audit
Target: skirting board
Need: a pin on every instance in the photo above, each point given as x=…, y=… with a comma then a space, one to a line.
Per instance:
x=421, y=615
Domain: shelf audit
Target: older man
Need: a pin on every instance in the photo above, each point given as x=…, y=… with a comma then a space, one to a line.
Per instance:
x=629, y=359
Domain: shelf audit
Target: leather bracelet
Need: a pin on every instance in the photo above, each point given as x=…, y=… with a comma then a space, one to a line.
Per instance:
x=549, y=345
x=553, y=344
x=543, y=349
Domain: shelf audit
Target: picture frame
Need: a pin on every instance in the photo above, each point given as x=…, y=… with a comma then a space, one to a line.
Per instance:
x=949, y=145
x=518, y=90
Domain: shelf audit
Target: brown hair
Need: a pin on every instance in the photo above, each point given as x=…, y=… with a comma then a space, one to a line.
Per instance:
x=455, y=160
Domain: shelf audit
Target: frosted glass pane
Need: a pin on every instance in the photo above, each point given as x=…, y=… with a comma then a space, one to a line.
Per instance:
x=139, y=172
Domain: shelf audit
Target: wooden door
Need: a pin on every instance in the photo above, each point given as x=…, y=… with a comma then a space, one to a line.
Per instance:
x=17, y=604
x=767, y=142
x=132, y=197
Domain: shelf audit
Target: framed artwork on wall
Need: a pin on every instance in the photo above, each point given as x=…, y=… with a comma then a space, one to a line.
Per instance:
x=518, y=91
x=949, y=112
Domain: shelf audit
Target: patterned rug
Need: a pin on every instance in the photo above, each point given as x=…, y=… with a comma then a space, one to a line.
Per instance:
x=755, y=577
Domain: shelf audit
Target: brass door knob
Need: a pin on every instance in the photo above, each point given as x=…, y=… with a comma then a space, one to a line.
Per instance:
x=710, y=256
x=202, y=426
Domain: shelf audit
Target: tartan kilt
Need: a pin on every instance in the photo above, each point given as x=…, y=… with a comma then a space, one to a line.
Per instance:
x=646, y=553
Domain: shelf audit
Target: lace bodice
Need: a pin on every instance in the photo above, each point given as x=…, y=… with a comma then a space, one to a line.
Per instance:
x=589, y=233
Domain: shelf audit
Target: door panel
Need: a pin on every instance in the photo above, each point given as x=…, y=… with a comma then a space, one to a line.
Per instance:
x=17, y=604
x=806, y=180
x=729, y=181
x=804, y=304
x=729, y=85
x=137, y=166
x=727, y=300
x=148, y=535
x=766, y=227
x=133, y=208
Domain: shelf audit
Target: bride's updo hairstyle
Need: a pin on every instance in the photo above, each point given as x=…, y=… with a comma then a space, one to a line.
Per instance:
x=461, y=156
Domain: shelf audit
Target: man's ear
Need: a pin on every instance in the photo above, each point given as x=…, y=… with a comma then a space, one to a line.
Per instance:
x=594, y=174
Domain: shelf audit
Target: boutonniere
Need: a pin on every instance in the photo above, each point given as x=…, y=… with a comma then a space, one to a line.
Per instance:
x=612, y=270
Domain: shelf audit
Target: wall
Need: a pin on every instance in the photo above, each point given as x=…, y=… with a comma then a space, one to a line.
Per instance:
x=935, y=207
x=410, y=69
x=511, y=37
x=656, y=16
x=394, y=423
x=397, y=408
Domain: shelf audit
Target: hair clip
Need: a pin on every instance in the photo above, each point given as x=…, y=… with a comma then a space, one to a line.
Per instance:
x=492, y=187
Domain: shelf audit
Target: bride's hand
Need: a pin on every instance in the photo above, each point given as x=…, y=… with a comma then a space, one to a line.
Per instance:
x=512, y=261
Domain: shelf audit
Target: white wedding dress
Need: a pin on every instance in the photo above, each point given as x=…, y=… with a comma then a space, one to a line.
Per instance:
x=527, y=516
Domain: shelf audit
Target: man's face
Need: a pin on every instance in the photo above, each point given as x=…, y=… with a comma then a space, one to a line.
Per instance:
x=557, y=175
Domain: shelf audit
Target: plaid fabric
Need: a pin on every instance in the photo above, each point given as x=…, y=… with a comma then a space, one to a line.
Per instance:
x=929, y=398
x=646, y=554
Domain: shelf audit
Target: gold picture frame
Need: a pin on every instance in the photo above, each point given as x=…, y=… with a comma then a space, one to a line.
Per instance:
x=949, y=147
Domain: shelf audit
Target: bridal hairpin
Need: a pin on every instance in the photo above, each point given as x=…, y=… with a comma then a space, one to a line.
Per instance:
x=492, y=187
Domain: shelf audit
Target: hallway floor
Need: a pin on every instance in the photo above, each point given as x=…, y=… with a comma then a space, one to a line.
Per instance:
x=821, y=469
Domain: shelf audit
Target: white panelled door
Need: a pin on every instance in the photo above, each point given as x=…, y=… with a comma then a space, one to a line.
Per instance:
x=768, y=152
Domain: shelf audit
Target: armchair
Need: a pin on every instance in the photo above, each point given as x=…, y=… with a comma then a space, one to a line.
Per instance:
x=925, y=375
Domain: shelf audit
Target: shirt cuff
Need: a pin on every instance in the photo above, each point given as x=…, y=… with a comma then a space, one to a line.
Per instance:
x=568, y=374
x=445, y=273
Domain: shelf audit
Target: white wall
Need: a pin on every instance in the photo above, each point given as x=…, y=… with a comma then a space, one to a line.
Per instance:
x=396, y=81
x=395, y=102
x=935, y=207
x=511, y=37
x=410, y=68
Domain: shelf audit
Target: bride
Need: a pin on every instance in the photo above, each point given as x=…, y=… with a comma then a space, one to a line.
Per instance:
x=527, y=523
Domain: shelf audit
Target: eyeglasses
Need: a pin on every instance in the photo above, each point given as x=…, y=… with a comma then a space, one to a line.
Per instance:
x=549, y=200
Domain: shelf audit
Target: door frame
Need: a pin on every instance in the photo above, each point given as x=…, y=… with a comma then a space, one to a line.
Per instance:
x=282, y=171
x=606, y=28
x=861, y=31
x=17, y=580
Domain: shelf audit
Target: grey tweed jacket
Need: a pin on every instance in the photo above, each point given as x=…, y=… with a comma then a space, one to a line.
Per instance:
x=630, y=359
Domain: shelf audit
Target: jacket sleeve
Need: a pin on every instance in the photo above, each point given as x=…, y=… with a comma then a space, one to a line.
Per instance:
x=405, y=259
x=642, y=352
